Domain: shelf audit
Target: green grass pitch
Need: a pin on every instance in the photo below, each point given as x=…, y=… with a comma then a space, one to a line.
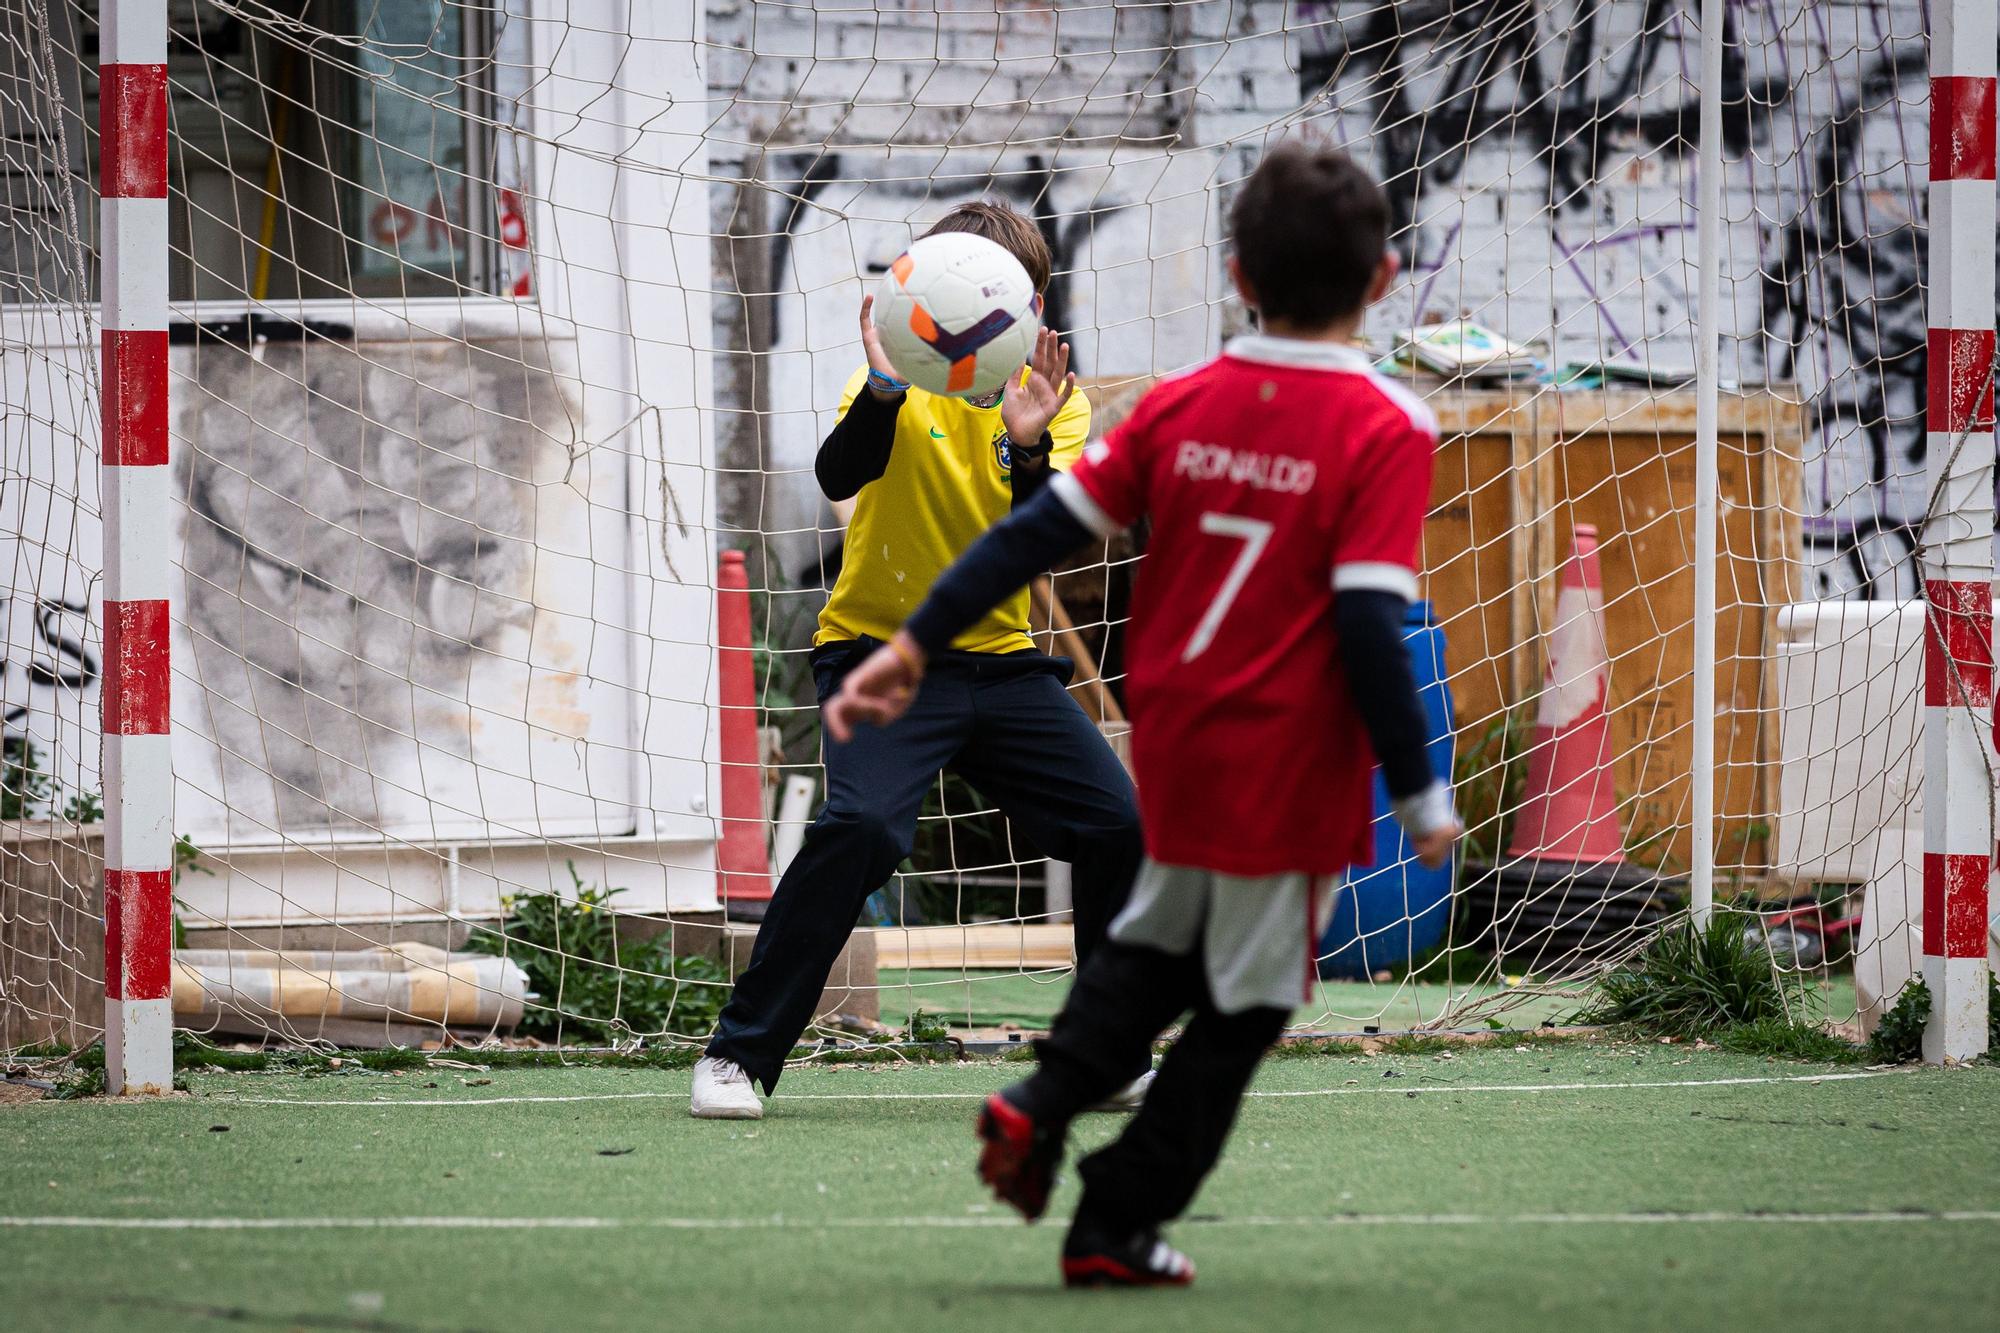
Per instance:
x=1581, y=1186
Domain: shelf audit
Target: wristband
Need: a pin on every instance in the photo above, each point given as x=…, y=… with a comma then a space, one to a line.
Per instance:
x=886, y=383
x=1427, y=811
x=1039, y=451
x=916, y=667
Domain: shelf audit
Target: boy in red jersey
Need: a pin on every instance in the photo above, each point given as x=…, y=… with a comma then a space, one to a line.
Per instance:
x=1286, y=483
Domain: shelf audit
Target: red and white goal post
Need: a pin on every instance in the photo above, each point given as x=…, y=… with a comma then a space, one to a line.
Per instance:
x=137, y=499
x=1958, y=537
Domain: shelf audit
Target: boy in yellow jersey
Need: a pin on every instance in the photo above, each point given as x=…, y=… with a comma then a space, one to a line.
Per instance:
x=929, y=475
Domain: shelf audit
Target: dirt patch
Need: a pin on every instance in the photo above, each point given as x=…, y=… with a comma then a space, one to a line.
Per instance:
x=15, y=1094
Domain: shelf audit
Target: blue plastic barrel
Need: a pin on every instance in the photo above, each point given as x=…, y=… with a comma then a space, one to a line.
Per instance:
x=1396, y=911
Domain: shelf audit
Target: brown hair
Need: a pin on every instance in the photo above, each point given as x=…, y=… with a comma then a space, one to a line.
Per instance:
x=1309, y=227
x=1005, y=227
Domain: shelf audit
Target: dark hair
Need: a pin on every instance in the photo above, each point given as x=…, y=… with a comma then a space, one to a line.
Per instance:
x=1005, y=227
x=1309, y=227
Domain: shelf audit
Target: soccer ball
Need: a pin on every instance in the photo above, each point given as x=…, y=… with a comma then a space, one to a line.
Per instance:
x=957, y=315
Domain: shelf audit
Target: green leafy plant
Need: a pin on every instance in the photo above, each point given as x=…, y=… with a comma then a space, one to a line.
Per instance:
x=591, y=981
x=1899, y=1037
x=1900, y=1034
x=84, y=807
x=1789, y=1040
x=24, y=788
x=1688, y=982
x=1488, y=779
x=27, y=791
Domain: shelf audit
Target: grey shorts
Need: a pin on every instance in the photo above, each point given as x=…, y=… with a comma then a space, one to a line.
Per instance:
x=1258, y=935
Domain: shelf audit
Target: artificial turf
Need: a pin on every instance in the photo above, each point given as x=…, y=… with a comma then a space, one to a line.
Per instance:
x=999, y=998
x=1492, y=1188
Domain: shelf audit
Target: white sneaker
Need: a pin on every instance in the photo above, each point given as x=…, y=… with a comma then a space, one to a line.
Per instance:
x=723, y=1091
x=1130, y=1097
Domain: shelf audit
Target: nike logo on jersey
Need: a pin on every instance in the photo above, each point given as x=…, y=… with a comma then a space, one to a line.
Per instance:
x=936, y=434
x=1266, y=472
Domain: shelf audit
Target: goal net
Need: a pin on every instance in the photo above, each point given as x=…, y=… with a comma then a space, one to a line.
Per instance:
x=498, y=328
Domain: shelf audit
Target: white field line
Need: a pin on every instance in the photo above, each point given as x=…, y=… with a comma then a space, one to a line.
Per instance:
x=1399, y=1087
x=782, y=1223
x=1385, y=1087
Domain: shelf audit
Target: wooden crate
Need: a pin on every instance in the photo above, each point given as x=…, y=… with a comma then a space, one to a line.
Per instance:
x=1477, y=548
x=1516, y=471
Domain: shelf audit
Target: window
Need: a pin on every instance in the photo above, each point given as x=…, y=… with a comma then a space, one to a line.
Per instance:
x=347, y=154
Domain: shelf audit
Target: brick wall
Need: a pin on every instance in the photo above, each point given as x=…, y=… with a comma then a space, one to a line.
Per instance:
x=1541, y=169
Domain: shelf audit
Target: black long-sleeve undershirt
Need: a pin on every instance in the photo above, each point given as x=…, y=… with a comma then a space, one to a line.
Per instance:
x=1369, y=624
x=856, y=451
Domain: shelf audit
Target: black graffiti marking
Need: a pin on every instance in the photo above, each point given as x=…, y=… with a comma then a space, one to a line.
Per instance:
x=1842, y=281
x=1876, y=579
x=1486, y=57
x=68, y=664
x=1839, y=278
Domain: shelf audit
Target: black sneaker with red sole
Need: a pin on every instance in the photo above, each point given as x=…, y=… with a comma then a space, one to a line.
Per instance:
x=1140, y=1259
x=1020, y=1157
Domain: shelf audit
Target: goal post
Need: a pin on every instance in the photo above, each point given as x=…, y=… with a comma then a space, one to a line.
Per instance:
x=136, y=503
x=1958, y=532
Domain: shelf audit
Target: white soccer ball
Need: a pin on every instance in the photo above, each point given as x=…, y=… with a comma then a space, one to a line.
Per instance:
x=957, y=315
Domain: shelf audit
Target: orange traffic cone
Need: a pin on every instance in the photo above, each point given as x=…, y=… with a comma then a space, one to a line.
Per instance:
x=1570, y=812
x=742, y=856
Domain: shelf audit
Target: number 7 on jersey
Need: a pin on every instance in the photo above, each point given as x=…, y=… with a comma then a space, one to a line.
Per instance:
x=1255, y=534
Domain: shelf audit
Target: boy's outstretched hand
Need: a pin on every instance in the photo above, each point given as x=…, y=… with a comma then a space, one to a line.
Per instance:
x=871, y=344
x=1433, y=849
x=1031, y=405
x=878, y=691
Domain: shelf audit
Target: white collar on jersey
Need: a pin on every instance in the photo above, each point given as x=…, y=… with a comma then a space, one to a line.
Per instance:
x=1297, y=353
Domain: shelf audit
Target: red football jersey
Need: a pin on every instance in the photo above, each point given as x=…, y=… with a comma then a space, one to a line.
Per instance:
x=1274, y=475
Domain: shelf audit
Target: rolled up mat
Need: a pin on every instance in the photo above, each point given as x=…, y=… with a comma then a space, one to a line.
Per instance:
x=294, y=991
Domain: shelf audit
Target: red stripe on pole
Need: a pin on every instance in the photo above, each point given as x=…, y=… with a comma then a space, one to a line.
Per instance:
x=1960, y=371
x=132, y=131
x=1961, y=129
x=1958, y=644
x=136, y=668
x=134, y=397
x=138, y=934
x=1955, y=905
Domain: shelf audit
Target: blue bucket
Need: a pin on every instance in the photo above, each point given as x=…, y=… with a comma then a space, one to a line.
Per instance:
x=1398, y=910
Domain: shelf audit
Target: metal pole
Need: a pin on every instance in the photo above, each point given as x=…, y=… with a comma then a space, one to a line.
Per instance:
x=1707, y=388
x=137, y=502
x=1957, y=540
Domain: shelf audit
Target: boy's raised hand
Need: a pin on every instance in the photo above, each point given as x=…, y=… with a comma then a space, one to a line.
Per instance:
x=871, y=345
x=1031, y=405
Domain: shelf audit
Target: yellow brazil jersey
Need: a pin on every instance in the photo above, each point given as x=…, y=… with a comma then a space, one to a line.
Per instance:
x=947, y=482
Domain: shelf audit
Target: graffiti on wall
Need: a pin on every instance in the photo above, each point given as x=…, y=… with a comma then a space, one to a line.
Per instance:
x=1582, y=112
x=378, y=630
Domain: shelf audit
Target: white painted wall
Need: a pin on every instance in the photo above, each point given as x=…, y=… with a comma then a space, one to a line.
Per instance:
x=540, y=467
